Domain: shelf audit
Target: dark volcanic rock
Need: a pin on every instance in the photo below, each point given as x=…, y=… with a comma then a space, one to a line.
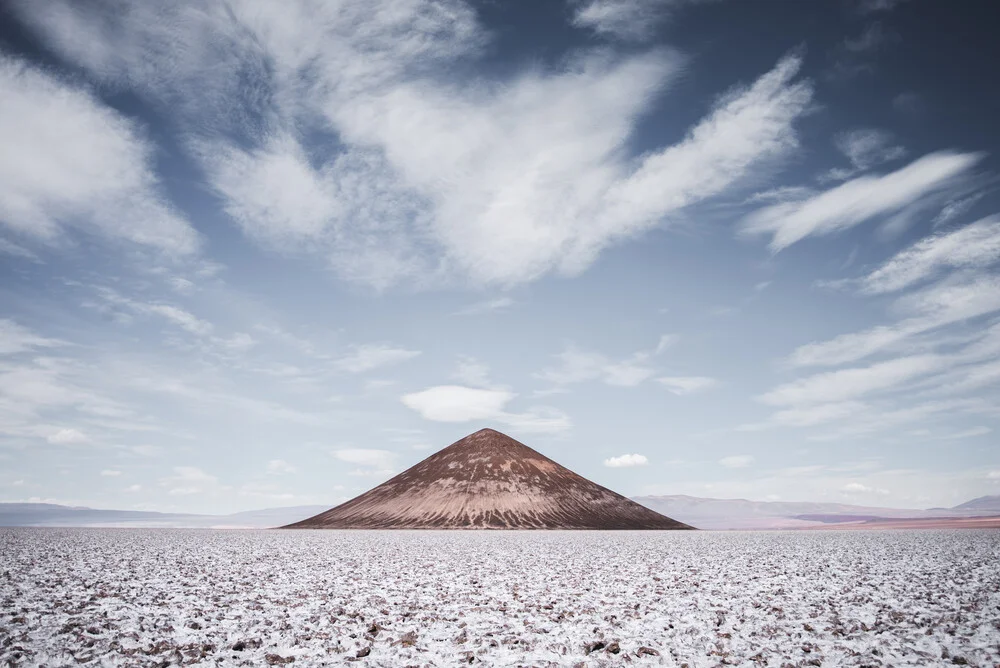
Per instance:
x=488, y=480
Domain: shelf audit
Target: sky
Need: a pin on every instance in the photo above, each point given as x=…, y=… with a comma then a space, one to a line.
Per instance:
x=268, y=254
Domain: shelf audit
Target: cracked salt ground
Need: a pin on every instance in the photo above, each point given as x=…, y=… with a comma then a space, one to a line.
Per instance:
x=170, y=597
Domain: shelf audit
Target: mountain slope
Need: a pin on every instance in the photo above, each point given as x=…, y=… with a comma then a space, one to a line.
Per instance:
x=487, y=480
x=990, y=503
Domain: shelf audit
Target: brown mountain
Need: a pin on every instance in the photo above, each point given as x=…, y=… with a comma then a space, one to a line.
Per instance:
x=488, y=480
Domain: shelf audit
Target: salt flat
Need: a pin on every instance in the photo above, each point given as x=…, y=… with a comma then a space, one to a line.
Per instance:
x=159, y=597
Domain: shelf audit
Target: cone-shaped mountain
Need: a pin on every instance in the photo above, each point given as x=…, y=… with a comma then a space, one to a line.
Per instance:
x=488, y=480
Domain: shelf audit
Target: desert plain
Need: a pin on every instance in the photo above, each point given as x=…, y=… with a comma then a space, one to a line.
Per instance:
x=139, y=597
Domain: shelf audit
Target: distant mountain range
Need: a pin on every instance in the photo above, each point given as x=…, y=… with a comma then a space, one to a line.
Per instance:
x=715, y=514
x=52, y=515
x=743, y=514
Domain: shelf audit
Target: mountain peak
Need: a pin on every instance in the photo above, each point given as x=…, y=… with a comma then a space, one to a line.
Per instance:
x=489, y=480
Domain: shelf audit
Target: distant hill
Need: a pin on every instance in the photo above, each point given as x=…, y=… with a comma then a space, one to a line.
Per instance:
x=723, y=514
x=53, y=515
x=718, y=514
x=991, y=503
x=488, y=480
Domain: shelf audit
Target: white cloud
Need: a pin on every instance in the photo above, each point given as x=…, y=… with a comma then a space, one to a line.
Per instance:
x=939, y=305
x=30, y=389
x=67, y=437
x=279, y=467
x=993, y=475
x=374, y=356
x=455, y=403
x=626, y=461
x=193, y=474
x=488, y=306
x=577, y=365
x=781, y=194
x=808, y=416
x=904, y=384
x=179, y=317
x=687, y=384
x=955, y=207
x=131, y=489
x=871, y=6
x=472, y=372
x=866, y=148
x=625, y=19
x=666, y=341
x=970, y=433
x=111, y=473
x=11, y=248
x=860, y=199
x=70, y=161
x=172, y=314
x=538, y=420
x=189, y=480
x=974, y=246
x=737, y=461
x=372, y=473
x=15, y=338
x=181, y=285
x=500, y=181
x=381, y=460
x=858, y=488
x=237, y=343
x=847, y=384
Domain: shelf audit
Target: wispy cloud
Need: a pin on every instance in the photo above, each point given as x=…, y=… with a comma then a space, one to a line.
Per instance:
x=941, y=304
x=488, y=306
x=969, y=433
x=10, y=248
x=279, y=467
x=67, y=436
x=634, y=20
x=860, y=200
x=189, y=480
x=737, y=461
x=577, y=365
x=474, y=373
x=848, y=384
x=873, y=6
x=381, y=460
x=687, y=384
x=69, y=162
x=15, y=338
x=865, y=148
x=528, y=175
x=974, y=246
x=665, y=342
x=808, y=416
x=374, y=356
x=169, y=312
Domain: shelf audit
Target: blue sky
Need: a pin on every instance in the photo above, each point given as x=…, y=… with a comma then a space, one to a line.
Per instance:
x=257, y=254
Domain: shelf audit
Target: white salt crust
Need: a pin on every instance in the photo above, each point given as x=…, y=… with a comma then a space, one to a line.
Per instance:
x=140, y=597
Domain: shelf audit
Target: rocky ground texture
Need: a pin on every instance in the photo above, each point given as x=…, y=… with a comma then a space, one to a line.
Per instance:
x=198, y=597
